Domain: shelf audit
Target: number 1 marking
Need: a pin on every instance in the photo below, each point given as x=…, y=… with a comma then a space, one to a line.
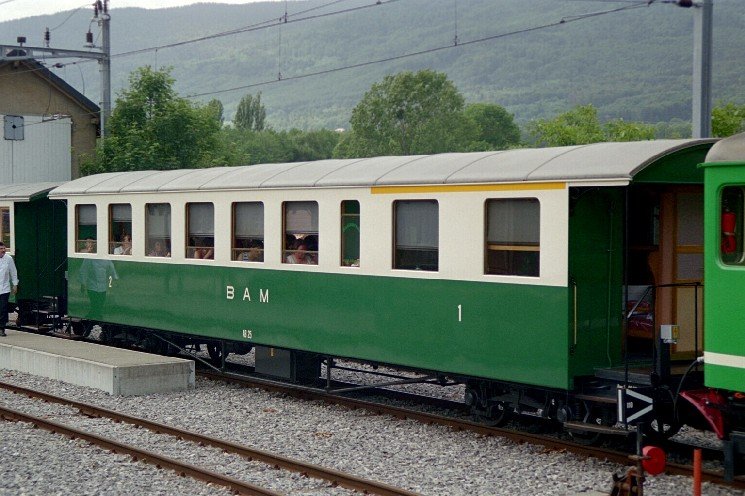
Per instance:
x=460, y=313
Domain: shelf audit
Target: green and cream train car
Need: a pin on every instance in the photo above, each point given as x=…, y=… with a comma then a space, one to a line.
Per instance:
x=509, y=271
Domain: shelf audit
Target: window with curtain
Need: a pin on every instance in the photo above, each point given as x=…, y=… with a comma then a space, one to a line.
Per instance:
x=248, y=231
x=200, y=233
x=85, y=227
x=300, y=243
x=120, y=229
x=513, y=237
x=416, y=235
x=158, y=229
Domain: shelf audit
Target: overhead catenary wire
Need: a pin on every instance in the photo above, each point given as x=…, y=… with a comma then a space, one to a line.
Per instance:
x=252, y=27
x=562, y=21
x=286, y=18
x=72, y=13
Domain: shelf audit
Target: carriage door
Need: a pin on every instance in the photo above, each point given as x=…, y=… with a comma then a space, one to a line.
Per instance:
x=682, y=265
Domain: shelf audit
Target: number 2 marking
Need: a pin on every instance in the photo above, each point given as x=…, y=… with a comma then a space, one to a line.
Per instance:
x=460, y=313
x=111, y=281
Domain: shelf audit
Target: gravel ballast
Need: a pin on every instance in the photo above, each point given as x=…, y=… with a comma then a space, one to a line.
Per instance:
x=431, y=460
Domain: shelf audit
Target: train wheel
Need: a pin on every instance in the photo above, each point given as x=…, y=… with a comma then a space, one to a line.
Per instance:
x=216, y=353
x=153, y=345
x=662, y=431
x=497, y=415
x=106, y=336
x=81, y=328
x=665, y=424
x=594, y=415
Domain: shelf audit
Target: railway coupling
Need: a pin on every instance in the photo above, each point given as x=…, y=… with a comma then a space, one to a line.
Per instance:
x=647, y=460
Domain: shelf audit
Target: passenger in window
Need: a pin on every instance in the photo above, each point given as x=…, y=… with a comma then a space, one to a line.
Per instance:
x=159, y=251
x=90, y=246
x=125, y=248
x=300, y=255
x=255, y=255
x=202, y=251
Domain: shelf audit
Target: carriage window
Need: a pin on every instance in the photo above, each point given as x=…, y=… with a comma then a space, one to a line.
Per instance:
x=416, y=235
x=158, y=229
x=85, y=226
x=120, y=229
x=5, y=226
x=300, y=244
x=200, y=236
x=350, y=233
x=513, y=237
x=248, y=231
x=732, y=226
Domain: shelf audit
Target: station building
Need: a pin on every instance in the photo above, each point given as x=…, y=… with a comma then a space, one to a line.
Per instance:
x=48, y=126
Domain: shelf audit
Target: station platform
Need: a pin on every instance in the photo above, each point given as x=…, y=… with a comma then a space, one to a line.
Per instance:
x=114, y=370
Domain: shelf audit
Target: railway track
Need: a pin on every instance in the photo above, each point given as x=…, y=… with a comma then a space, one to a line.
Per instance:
x=546, y=441
x=333, y=477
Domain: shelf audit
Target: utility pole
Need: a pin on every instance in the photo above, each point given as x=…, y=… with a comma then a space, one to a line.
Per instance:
x=702, y=41
x=102, y=18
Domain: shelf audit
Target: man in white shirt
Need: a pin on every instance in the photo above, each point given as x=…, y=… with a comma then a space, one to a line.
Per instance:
x=8, y=278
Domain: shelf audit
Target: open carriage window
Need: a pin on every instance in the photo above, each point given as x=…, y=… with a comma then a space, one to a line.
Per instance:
x=120, y=229
x=158, y=229
x=85, y=229
x=200, y=236
x=301, y=232
x=417, y=235
x=248, y=231
x=513, y=237
x=731, y=227
x=5, y=226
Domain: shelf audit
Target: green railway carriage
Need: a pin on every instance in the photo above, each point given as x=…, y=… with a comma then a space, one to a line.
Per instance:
x=724, y=355
x=33, y=229
x=497, y=268
x=722, y=402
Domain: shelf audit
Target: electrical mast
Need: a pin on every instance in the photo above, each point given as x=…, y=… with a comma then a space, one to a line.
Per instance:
x=702, y=41
x=102, y=18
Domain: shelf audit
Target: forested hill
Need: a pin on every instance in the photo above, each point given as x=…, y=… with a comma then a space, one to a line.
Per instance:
x=635, y=64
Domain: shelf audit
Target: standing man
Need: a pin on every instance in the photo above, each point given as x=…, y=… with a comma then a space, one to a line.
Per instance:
x=8, y=277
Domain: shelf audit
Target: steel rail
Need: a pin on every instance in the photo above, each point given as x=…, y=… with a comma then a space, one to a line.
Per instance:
x=333, y=476
x=549, y=443
x=137, y=454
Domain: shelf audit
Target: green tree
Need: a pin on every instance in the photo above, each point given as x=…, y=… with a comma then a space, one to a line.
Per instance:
x=621, y=130
x=312, y=145
x=577, y=126
x=496, y=126
x=408, y=113
x=250, y=114
x=727, y=119
x=581, y=125
x=151, y=127
x=217, y=109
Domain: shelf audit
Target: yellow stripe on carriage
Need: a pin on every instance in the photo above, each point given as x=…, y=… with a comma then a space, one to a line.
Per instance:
x=464, y=188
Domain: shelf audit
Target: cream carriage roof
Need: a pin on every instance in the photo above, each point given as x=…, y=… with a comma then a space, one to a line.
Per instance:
x=573, y=164
x=25, y=192
x=731, y=149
